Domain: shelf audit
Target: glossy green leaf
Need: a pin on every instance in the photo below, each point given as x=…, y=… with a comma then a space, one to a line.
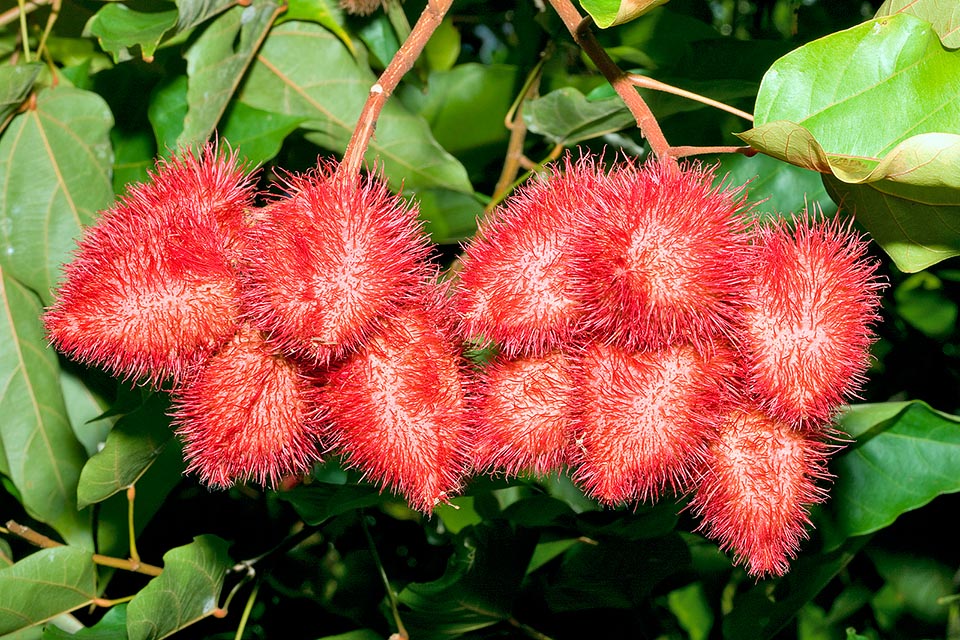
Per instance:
x=131, y=447
x=16, y=82
x=458, y=514
x=905, y=455
x=119, y=28
x=318, y=502
x=257, y=135
x=767, y=607
x=217, y=62
x=916, y=226
x=547, y=551
x=188, y=590
x=190, y=13
x=55, y=164
x=566, y=117
x=479, y=587
x=944, y=15
x=45, y=584
x=43, y=457
x=112, y=626
x=327, y=13
x=304, y=71
x=443, y=48
x=922, y=301
x=819, y=108
x=607, y=13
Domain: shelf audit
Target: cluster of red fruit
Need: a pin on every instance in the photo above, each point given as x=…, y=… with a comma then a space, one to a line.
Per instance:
x=649, y=338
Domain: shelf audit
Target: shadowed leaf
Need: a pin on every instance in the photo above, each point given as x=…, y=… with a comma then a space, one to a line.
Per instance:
x=16, y=81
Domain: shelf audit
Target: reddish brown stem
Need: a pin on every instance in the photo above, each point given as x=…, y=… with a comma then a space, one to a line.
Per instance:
x=401, y=63
x=655, y=85
x=579, y=28
x=683, y=152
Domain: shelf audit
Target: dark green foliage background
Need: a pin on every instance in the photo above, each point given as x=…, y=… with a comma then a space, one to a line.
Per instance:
x=120, y=83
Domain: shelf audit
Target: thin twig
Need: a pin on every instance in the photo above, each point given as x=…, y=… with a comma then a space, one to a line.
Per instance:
x=394, y=604
x=518, y=134
x=647, y=82
x=683, y=152
x=44, y=542
x=10, y=15
x=401, y=63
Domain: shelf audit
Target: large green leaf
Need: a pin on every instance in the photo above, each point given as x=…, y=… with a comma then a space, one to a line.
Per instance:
x=567, y=117
x=113, y=626
x=777, y=188
x=607, y=13
x=131, y=447
x=826, y=107
x=44, y=585
x=55, y=163
x=43, y=457
x=944, y=15
x=258, y=135
x=905, y=455
x=16, y=81
x=190, y=13
x=304, y=71
x=216, y=63
x=119, y=28
x=188, y=590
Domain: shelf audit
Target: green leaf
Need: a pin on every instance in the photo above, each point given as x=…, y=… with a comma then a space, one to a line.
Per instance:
x=304, y=71
x=119, y=28
x=458, y=514
x=326, y=13
x=112, y=626
x=767, y=607
x=942, y=14
x=167, y=111
x=566, y=117
x=607, y=13
x=190, y=13
x=819, y=108
x=450, y=216
x=922, y=302
x=918, y=582
x=318, y=502
x=692, y=609
x=258, y=135
x=187, y=591
x=55, y=164
x=43, y=457
x=132, y=446
x=44, y=585
x=134, y=156
x=217, y=62
x=85, y=407
x=905, y=455
x=547, y=551
x=16, y=82
x=479, y=587
x=443, y=47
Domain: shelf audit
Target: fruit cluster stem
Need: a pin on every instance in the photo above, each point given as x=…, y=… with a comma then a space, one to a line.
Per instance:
x=401, y=63
x=579, y=28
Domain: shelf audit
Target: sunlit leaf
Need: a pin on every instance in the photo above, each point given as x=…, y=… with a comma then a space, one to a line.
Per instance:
x=304, y=71
x=778, y=188
x=944, y=15
x=16, y=81
x=45, y=584
x=43, y=457
x=131, y=447
x=905, y=455
x=192, y=12
x=443, y=48
x=819, y=107
x=119, y=28
x=188, y=590
x=55, y=163
x=217, y=62
x=327, y=13
x=607, y=13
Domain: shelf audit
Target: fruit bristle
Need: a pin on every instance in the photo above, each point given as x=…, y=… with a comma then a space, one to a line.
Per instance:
x=328, y=260
x=808, y=310
x=759, y=480
x=661, y=263
x=517, y=276
x=524, y=415
x=397, y=406
x=249, y=413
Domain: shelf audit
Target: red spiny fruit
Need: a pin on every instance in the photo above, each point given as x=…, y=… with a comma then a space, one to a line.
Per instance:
x=397, y=405
x=660, y=263
x=153, y=290
x=328, y=260
x=524, y=414
x=646, y=418
x=809, y=304
x=759, y=480
x=248, y=413
x=516, y=285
